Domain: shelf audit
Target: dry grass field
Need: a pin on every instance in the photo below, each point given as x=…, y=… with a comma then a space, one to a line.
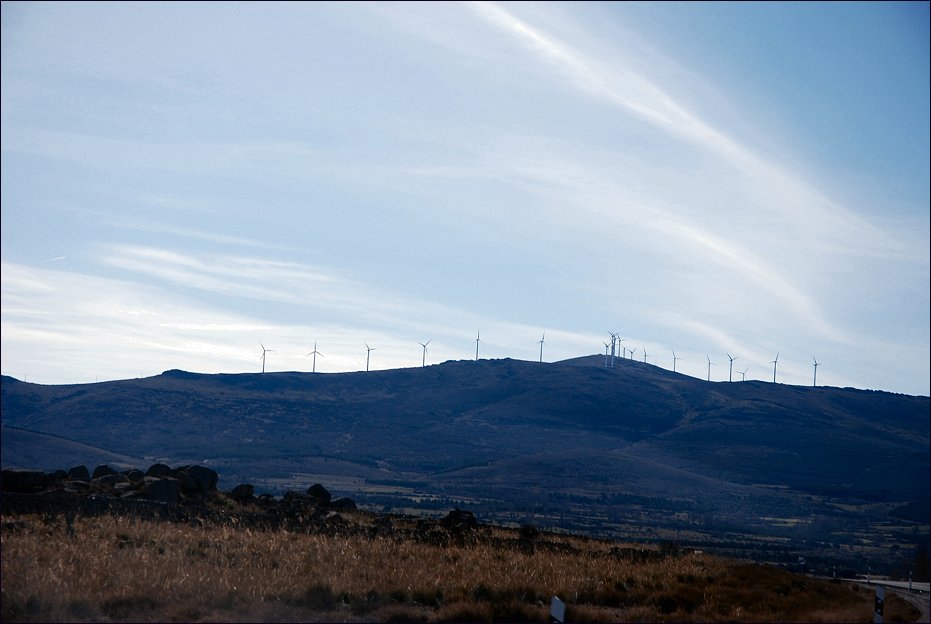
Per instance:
x=120, y=569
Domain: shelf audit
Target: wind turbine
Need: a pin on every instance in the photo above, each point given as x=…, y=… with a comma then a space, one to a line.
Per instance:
x=632, y=351
x=730, y=373
x=743, y=374
x=264, y=351
x=314, y=353
x=614, y=343
x=674, y=358
x=817, y=364
x=478, y=338
x=710, y=364
x=541, y=346
x=775, y=363
x=368, y=354
x=606, y=355
x=644, y=355
x=620, y=342
x=424, y=345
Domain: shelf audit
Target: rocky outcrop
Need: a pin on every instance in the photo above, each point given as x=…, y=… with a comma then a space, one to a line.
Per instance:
x=189, y=494
x=185, y=493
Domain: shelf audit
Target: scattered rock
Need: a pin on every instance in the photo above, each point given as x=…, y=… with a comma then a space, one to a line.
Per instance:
x=101, y=471
x=109, y=479
x=459, y=520
x=58, y=476
x=206, y=478
x=242, y=493
x=188, y=484
x=164, y=490
x=134, y=475
x=320, y=493
x=79, y=473
x=160, y=470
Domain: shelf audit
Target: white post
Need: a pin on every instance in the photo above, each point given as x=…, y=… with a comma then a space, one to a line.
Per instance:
x=878, y=608
x=557, y=610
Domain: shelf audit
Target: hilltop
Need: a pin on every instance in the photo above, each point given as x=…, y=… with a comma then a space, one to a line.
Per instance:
x=634, y=452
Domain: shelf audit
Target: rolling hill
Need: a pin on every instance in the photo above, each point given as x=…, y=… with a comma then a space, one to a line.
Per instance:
x=634, y=451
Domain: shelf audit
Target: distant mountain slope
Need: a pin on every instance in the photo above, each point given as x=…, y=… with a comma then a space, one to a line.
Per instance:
x=27, y=450
x=514, y=435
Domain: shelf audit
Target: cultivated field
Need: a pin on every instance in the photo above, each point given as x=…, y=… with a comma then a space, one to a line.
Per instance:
x=371, y=568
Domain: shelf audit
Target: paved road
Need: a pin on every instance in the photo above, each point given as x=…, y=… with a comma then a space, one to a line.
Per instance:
x=918, y=587
x=918, y=596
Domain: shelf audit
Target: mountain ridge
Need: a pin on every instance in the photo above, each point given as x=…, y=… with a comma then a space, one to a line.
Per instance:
x=571, y=444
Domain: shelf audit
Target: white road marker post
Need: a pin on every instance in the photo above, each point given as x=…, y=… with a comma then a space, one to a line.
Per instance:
x=557, y=610
x=878, y=608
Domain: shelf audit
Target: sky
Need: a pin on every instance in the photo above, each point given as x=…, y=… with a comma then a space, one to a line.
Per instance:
x=184, y=184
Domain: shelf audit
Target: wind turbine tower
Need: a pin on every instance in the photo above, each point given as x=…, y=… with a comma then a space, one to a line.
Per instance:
x=368, y=354
x=730, y=373
x=613, y=347
x=644, y=355
x=423, y=364
x=606, y=354
x=314, y=353
x=816, y=364
x=743, y=374
x=674, y=358
x=478, y=338
x=264, y=351
x=710, y=364
x=775, y=363
x=541, y=346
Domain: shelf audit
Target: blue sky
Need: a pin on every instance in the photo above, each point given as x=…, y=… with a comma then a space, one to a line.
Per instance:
x=182, y=182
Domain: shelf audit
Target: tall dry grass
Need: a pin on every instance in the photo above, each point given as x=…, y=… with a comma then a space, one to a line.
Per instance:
x=119, y=569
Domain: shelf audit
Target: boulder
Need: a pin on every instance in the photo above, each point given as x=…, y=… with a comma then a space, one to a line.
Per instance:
x=189, y=484
x=58, y=476
x=79, y=473
x=242, y=492
x=25, y=481
x=136, y=476
x=459, y=520
x=165, y=490
x=320, y=493
x=110, y=479
x=206, y=478
x=160, y=470
x=102, y=470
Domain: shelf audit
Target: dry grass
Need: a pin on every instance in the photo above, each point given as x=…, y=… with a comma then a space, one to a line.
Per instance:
x=118, y=569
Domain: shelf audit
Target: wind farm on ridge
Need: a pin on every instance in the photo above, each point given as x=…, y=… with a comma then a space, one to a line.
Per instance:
x=613, y=350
